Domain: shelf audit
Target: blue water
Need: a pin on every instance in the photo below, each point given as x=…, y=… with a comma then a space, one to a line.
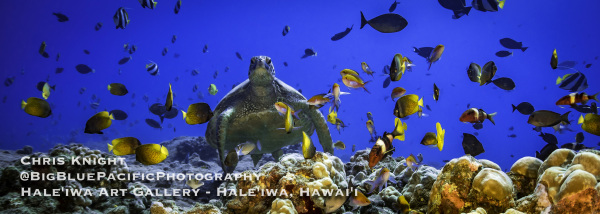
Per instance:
x=254, y=28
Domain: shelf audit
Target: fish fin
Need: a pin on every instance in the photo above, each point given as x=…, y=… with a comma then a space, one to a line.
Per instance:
x=514, y=107
x=258, y=146
x=111, y=117
x=184, y=114
x=524, y=48
x=23, y=104
x=555, y=127
x=363, y=21
x=429, y=65
x=491, y=117
x=501, y=4
x=565, y=117
x=558, y=80
x=581, y=120
x=157, y=3
x=110, y=147
x=420, y=102
x=162, y=118
x=109, y=87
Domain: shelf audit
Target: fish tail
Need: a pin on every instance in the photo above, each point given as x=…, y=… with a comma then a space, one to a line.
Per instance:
x=524, y=48
x=23, y=104
x=594, y=97
x=420, y=102
x=467, y=10
x=565, y=117
x=109, y=87
x=365, y=88
x=111, y=117
x=559, y=80
x=514, y=107
x=429, y=65
x=581, y=120
x=363, y=21
x=491, y=117
x=184, y=114
x=110, y=147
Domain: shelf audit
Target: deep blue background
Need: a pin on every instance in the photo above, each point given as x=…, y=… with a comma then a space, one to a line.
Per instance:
x=254, y=28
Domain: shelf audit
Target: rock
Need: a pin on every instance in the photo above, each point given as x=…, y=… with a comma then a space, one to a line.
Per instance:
x=577, y=181
x=203, y=209
x=524, y=173
x=451, y=189
x=390, y=195
x=159, y=208
x=479, y=210
x=493, y=190
x=513, y=211
x=489, y=164
x=417, y=190
x=589, y=161
x=560, y=157
x=282, y=206
x=26, y=150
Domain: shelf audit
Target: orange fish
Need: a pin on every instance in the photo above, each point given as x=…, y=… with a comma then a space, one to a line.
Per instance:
x=474, y=115
x=574, y=98
x=382, y=148
x=436, y=54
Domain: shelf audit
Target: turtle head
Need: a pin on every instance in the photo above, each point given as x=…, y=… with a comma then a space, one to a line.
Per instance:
x=261, y=70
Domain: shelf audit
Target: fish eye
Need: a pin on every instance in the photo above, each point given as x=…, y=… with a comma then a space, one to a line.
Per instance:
x=268, y=60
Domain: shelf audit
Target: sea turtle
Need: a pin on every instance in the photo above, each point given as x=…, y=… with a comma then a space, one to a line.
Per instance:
x=248, y=114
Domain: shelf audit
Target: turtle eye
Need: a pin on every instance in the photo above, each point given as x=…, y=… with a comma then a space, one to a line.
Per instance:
x=268, y=60
x=253, y=60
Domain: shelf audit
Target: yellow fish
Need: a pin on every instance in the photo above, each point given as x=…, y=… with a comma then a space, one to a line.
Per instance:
x=407, y=105
x=399, y=129
x=436, y=54
x=150, y=154
x=46, y=91
x=36, y=107
x=440, y=136
x=332, y=116
x=590, y=123
x=308, y=149
x=554, y=60
x=198, y=113
x=169, y=102
x=100, y=121
x=354, y=82
x=124, y=146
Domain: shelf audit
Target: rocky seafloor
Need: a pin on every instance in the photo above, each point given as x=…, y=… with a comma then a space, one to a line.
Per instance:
x=566, y=182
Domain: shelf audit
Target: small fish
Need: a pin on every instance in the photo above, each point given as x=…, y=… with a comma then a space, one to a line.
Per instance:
x=382, y=148
x=285, y=64
x=36, y=107
x=124, y=146
x=57, y=56
x=212, y=89
x=544, y=118
x=121, y=18
x=588, y=65
x=98, y=26
x=193, y=183
x=339, y=145
x=471, y=145
x=574, y=82
x=353, y=147
x=145, y=98
x=348, y=72
x=148, y=3
x=386, y=23
x=358, y=200
x=436, y=54
x=342, y=34
x=132, y=49
x=124, y=60
x=590, y=123
x=308, y=149
x=85, y=51
x=118, y=114
x=9, y=81
x=436, y=92
x=504, y=53
x=474, y=115
x=554, y=60
x=339, y=124
x=59, y=70
x=381, y=180
x=399, y=130
x=61, y=17
x=393, y=6
x=100, y=121
x=150, y=154
x=512, y=135
x=153, y=123
x=411, y=162
x=173, y=39
x=424, y=52
x=176, y=10
x=474, y=72
x=504, y=83
x=238, y=55
x=152, y=68
x=575, y=98
x=524, y=108
x=488, y=5
x=94, y=105
x=336, y=93
x=487, y=73
x=117, y=89
x=546, y=151
x=205, y=49
x=403, y=204
x=512, y=44
x=215, y=74
x=353, y=82
x=286, y=30
x=157, y=109
x=407, y=105
x=371, y=129
x=457, y=6
x=511, y=128
x=332, y=116
x=165, y=51
x=42, y=49
x=367, y=69
x=282, y=109
x=549, y=138
x=318, y=100
x=309, y=52
x=169, y=102
x=246, y=148
x=370, y=116
x=194, y=72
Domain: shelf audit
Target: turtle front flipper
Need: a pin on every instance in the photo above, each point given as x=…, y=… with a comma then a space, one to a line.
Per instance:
x=322, y=129
x=222, y=124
